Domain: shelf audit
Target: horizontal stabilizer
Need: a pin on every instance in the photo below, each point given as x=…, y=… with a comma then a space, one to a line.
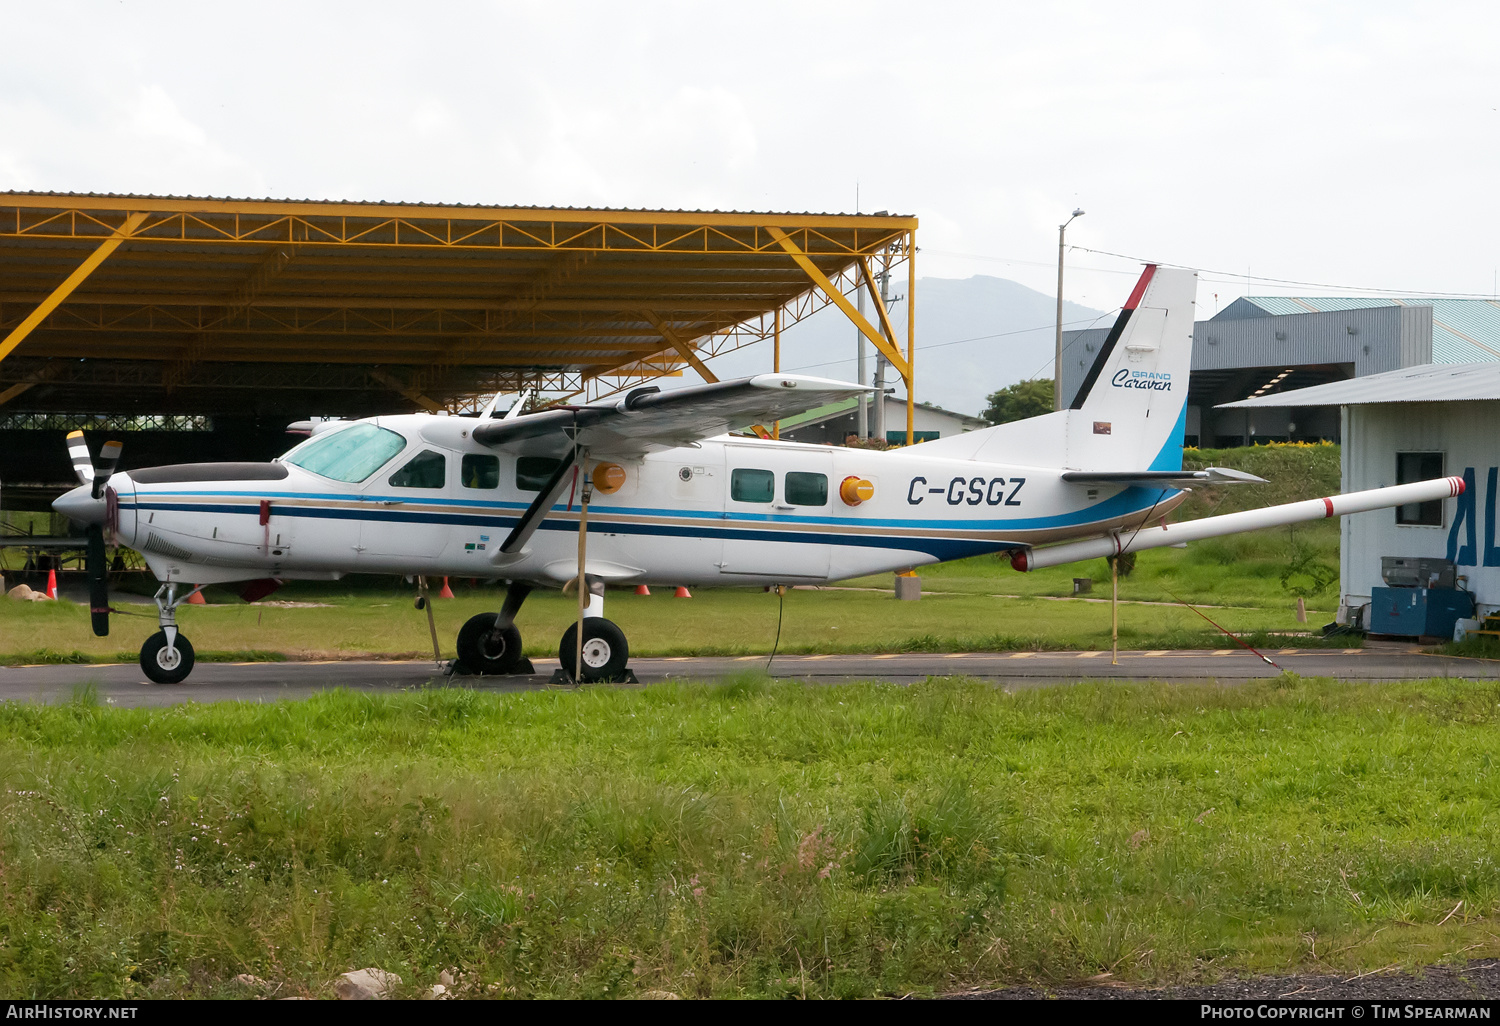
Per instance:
x=1162, y=478
x=1025, y=559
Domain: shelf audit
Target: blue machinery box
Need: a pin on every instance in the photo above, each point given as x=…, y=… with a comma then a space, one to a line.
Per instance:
x=1414, y=612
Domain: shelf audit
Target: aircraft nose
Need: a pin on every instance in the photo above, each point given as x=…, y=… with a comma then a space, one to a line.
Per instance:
x=80, y=505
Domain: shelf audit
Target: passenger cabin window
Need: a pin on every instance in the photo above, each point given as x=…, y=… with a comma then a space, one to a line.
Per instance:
x=533, y=472
x=805, y=489
x=479, y=471
x=1419, y=466
x=427, y=469
x=348, y=454
x=747, y=485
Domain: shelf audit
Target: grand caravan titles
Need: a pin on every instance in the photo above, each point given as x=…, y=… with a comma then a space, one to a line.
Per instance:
x=1154, y=381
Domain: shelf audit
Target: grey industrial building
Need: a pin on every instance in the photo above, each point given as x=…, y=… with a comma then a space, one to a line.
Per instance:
x=1413, y=424
x=1267, y=345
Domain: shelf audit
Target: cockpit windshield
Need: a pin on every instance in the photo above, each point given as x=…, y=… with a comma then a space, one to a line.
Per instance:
x=350, y=454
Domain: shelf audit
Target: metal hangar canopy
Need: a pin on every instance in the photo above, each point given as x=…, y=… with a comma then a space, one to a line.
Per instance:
x=147, y=304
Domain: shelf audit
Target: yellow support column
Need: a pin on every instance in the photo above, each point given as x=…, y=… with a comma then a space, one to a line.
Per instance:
x=681, y=345
x=841, y=301
x=776, y=363
x=909, y=374
x=72, y=282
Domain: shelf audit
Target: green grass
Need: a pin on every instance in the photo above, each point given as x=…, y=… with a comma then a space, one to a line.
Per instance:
x=748, y=839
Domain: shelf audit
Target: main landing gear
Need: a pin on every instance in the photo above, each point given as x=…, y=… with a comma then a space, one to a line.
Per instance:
x=605, y=651
x=167, y=656
x=490, y=643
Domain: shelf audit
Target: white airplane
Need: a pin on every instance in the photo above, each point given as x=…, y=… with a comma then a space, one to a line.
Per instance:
x=671, y=498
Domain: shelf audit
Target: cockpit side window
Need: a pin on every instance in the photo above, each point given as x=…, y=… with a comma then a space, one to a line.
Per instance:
x=349, y=454
x=427, y=469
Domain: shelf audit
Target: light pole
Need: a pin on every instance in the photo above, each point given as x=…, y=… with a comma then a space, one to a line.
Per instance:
x=1057, y=359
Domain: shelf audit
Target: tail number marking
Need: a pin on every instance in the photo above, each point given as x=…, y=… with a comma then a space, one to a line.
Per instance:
x=973, y=491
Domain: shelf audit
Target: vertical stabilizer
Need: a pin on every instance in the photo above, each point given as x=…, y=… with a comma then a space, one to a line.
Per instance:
x=1131, y=410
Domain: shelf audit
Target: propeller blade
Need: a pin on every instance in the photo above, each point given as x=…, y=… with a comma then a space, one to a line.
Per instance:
x=98, y=569
x=83, y=464
x=110, y=455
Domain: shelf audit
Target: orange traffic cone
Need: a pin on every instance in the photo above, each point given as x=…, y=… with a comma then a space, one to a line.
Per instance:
x=641, y=589
x=682, y=592
x=197, y=599
x=447, y=592
x=52, y=584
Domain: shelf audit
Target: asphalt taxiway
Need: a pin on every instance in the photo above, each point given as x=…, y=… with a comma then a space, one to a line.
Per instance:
x=123, y=684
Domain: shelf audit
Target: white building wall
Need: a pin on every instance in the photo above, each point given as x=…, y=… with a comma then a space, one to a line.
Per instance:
x=1468, y=434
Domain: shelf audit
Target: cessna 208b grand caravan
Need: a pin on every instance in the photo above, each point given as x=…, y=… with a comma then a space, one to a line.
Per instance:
x=669, y=497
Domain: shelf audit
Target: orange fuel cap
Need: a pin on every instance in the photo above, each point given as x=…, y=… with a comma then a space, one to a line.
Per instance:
x=608, y=477
x=854, y=490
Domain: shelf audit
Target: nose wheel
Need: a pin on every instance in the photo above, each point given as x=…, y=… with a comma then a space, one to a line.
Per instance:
x=167, y=656
x=167, y=664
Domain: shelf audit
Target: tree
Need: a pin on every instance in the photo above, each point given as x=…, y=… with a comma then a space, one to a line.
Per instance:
x=1019, y=401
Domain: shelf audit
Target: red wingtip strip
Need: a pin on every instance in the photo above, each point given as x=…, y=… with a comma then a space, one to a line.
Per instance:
x=1327, y=508
x=1140, y=287
x=1458, y=485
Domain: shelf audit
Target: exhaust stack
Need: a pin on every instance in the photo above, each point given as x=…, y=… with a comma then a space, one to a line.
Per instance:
x=1232, y=523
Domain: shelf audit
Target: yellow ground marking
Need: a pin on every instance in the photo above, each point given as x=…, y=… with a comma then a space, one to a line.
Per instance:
x=1022, y=655
x=1288, y=651
x=957, y=655
x=1354, y=651
x=891, y=655
x=1089, y=655
x=1223, y=651
x=1158, y=652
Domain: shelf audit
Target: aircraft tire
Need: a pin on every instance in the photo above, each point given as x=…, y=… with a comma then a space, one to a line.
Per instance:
x=605, y=650
x=159, y=666
x=478, y=652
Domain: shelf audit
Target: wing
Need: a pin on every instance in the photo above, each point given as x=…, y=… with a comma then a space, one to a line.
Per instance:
x=650, y=420
x=1163, y=478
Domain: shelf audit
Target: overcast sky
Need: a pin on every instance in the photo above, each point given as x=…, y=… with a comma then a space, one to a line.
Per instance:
x=1352, y=144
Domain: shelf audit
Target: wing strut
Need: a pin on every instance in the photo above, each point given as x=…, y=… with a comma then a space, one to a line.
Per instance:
x=537, y=511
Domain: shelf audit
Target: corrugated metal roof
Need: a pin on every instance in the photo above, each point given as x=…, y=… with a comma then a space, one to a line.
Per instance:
x=173, y=197
x=1463, y=330
x=1429, y=383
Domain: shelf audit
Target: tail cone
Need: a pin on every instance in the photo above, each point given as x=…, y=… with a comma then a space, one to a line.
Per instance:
x=641, y=589
x=447, y=592
x=682, y=593
x=52, y=584
x=197, y=599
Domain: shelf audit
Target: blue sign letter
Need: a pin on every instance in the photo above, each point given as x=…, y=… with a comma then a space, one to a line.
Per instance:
x=1465, y=556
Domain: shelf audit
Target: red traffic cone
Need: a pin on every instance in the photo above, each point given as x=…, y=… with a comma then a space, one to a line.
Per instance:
x=197, y=599
x=641, y=589
x=682, y=592
x=52, y=584
x=447, y=592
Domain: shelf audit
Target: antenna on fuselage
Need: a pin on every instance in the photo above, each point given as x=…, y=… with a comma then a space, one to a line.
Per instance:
x=489, y=407
x=520, y=406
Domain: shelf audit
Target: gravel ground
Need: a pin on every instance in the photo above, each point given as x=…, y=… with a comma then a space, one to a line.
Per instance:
x=1473, y=981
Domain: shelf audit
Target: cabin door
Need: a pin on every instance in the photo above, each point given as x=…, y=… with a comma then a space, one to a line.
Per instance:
x=776, y=512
